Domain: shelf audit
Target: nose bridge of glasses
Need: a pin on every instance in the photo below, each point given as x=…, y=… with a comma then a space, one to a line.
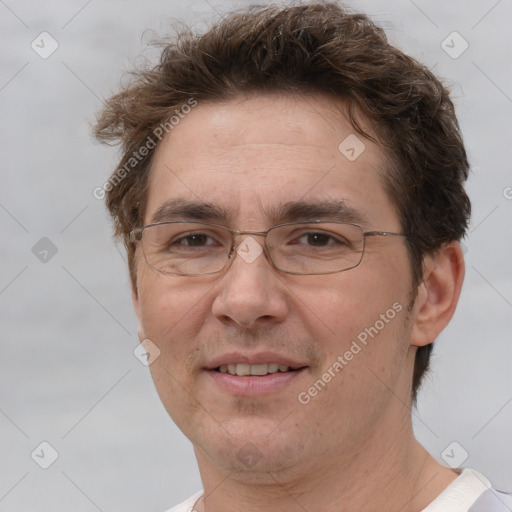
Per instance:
x=248, y=248
x=246, y=235
x=236, y=233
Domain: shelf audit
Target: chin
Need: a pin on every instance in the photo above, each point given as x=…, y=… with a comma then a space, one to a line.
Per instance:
x=253, y=447
x=254, y=462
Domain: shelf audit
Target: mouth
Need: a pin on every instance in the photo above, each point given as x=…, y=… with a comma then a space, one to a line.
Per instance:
x=260, y=370
x=244, y=377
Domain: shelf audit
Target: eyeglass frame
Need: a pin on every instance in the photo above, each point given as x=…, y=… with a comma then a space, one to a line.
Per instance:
x=136, y=236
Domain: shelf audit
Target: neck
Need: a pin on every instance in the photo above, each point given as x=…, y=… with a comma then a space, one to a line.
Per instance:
x=388, y=466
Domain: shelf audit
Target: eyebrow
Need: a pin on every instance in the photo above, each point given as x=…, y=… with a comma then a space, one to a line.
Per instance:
x=190, y=210
x=334, y=210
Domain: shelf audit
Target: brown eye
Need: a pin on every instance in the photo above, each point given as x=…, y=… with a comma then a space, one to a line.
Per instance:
x=320, y=239
x=194, y=240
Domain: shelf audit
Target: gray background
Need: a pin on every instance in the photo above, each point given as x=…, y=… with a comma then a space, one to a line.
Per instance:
x=68, y=375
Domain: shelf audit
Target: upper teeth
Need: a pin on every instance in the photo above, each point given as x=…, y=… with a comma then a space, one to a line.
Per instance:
x=252, y=369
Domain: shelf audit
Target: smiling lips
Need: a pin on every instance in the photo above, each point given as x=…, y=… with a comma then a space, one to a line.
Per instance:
x=261, y=364
x=242, y=369
x=259, y=374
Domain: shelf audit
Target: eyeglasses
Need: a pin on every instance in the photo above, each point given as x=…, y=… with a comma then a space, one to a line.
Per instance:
x=183, y=248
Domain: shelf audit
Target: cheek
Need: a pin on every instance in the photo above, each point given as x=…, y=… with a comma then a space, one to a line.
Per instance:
x=360, y=316
x=361, y=328
x=342, y=305
x=171, y=316
x=168, y=306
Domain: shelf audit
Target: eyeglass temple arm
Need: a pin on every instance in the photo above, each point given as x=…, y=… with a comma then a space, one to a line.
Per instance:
x=135, y=235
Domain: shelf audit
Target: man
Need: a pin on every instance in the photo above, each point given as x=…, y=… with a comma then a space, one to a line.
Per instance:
x=291, y=199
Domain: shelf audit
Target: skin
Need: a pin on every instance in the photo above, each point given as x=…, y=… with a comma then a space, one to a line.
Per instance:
x=249, y=154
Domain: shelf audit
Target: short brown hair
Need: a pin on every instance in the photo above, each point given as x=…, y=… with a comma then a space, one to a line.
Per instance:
x=311, y=48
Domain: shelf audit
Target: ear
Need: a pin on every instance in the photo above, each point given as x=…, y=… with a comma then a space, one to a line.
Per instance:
x=136, y=307
x=438, y=294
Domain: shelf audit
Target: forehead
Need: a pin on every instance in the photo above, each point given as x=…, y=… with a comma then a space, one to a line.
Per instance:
x=251, y=155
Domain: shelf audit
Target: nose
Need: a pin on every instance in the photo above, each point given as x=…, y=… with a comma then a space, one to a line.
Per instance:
x=251, y=293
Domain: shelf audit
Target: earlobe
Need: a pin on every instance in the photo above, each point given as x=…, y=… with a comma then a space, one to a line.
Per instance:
x=438, y=294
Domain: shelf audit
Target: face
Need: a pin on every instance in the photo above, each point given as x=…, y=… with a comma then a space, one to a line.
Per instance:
x=345, y=335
